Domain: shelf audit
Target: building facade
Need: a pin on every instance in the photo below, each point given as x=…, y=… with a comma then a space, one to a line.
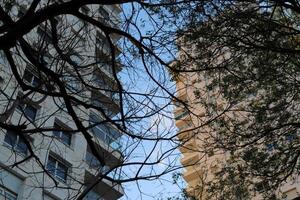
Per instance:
x=192, y=118
x=63, y=165
x=198, y=160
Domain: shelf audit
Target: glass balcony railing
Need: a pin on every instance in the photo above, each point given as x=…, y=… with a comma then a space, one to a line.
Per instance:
x=105, y=136
x=106, y=133
x=116, y=145
x=106, y=89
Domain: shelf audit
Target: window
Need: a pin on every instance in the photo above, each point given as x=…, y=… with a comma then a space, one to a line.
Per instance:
x=100, y=129
x=291, y=137
x=181, y=115
x=101, y=40
x=272, y=146
x=5, y=194
x=44, y=33
x=104, y=14
x=61, y=135
x=85, y=10
x=57, y=168
x=31, y=78
x=21, y=11
x=15, y=142
x=29, y=111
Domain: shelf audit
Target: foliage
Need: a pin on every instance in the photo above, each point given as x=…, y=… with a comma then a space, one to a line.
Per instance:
x=248, y=53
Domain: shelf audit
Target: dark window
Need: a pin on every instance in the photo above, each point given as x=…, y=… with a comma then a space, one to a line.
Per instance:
x=291, y=137
x=272, y=146
x=28, y=110
x=57, y=168
x=21, y=11
x=16, y=142
x=44, y=33
x=92, y=161
x=61, y=135
x=85, y=10
x=92, y=195
x=101, y=40
x=104, y=14
x=31, y=79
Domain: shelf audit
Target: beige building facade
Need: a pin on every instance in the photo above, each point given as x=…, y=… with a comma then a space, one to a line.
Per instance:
x=200, y=162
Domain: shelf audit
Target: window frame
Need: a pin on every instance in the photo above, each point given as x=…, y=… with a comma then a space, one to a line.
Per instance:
x=56, y=172
x=60, y=130
x=23, y=106
x=34, y=81
x=103, y=13
x=16, y=144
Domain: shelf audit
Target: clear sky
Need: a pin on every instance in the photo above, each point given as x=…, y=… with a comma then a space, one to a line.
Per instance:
x=162, y=187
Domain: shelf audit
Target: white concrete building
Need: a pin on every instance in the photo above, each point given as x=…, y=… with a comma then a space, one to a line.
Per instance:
x=66, y=155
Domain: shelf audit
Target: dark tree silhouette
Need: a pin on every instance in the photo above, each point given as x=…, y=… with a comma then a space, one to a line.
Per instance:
x=78, y=76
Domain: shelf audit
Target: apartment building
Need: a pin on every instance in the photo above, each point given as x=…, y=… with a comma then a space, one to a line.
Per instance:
x=200, y=162
x=65, y=164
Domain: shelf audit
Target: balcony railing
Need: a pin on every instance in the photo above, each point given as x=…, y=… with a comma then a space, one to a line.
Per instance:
x=107, y=134
x=106, y=68
x=182, y=115
x=94, y=163
x=106, y=89
x=106, y=18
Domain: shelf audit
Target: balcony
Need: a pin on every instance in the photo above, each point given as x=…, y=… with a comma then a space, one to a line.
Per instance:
x=103, y=49
x=108, y=142
x=105, y=68
x=108, y=17
x=189, y=145
x=181, y=115
x=105, y=92
x=107, y=136
x=193, y=173
x=96, y=167
x=109, y=111
x=105, y=188
x=94, y=163
x=190, y=158
x=110, y=23
x=110, y=156
x=183, y=119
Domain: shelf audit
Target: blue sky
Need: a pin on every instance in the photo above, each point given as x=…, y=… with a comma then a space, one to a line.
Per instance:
x=162, y=187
